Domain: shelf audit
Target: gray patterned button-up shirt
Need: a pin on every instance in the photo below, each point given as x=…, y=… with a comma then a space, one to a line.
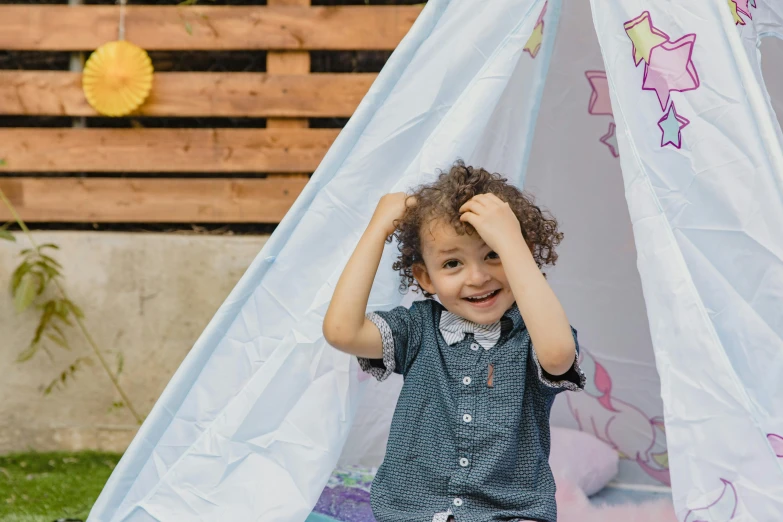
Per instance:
x=470, y=434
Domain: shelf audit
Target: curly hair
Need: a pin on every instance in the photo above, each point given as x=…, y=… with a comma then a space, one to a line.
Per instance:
x=442, y=199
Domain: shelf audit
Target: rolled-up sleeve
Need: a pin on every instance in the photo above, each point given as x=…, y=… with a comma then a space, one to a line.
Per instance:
x=401, y=330
x=380, y=368
x=573, y=380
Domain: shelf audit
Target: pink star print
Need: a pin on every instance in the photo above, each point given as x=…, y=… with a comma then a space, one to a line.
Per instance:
x=742, y=7
x=671, y=69
x=599, y=98
x=610, y=140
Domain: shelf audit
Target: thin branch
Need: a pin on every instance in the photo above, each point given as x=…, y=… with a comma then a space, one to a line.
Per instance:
x=79, y=321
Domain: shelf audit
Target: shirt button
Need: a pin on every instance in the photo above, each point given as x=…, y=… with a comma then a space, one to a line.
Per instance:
x=458, y=502
x=466, y=381
x=464, y=462
x=467, y=417
x=474, y=346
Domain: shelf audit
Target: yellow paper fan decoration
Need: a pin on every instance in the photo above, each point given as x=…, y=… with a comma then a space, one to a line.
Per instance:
x=117, y=78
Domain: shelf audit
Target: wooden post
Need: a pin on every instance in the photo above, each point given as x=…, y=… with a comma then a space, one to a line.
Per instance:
x=77, y=65
x=288, y=62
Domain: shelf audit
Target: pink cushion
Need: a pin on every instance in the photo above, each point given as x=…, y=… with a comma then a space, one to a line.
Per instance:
x=582, y=459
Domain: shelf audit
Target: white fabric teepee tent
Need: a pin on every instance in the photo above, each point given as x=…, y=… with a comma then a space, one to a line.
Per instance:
x=676, y=263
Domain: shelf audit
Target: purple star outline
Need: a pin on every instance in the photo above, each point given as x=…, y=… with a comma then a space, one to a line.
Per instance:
x=599, y=98
x=671, y=69
x=682, y=123
x=606, y=139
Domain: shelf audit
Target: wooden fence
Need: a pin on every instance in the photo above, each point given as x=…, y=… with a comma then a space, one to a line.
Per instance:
x=102, y=175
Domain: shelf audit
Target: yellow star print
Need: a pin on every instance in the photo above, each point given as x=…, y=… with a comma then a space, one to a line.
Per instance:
x=640, y=31
x=534, y=42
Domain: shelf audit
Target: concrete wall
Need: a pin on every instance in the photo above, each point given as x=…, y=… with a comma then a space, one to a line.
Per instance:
x=146, y=295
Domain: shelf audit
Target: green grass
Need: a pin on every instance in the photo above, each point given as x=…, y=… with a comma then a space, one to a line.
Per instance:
x=42, y=487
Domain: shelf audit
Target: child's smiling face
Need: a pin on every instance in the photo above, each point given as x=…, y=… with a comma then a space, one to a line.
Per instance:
x=465, y=274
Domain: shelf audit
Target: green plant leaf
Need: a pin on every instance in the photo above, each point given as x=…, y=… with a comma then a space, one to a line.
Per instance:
x=16, y=278
x=74, y=309
x=61, y=335
x=69, y=372
x=4, y=234
x=48, y=352
x=28, y=353
x=116, y=405
x=51, y=261
x=48, y=245
x=65, y=319
x=26, y=292
x=41, y=281
x=2, y=162
x=50, y=387
x=120, y=364
x=188, y=28
x=46, y=316
x=62, y=311
x=50, y=271
x=60, y=341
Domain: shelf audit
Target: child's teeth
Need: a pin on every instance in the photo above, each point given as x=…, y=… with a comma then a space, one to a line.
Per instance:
x=480, y=297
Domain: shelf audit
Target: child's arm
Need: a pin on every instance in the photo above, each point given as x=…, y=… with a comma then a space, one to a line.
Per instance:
x=345, y=326
x=550, y=331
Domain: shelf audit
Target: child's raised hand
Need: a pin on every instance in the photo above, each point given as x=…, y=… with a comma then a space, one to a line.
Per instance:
x=493, y=219
x=390, y=209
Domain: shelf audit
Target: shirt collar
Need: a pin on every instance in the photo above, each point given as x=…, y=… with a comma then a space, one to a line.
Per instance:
x=453, y=327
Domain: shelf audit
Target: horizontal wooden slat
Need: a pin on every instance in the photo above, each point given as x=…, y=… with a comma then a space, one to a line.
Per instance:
x=55, y=93
x=104, y=200
x=84, y=28
x=163, y=150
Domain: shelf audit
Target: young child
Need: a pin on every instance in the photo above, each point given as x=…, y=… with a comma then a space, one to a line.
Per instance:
x=482, y=364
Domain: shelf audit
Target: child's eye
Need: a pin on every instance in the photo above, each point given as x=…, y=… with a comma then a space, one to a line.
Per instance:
x=493, y=255
x=453, y=263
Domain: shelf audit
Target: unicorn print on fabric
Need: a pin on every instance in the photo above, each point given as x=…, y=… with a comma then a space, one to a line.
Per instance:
x=617, y=422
